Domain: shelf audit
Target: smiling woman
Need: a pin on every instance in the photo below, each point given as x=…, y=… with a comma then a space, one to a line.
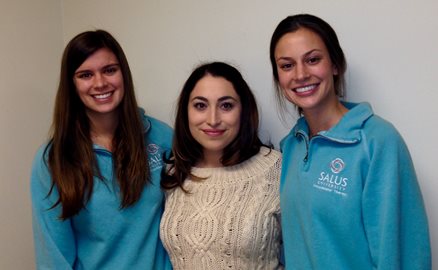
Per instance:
x=99, y=83
x=95, y=185
x=222, y=200
x=348, y=185
x=214, y=117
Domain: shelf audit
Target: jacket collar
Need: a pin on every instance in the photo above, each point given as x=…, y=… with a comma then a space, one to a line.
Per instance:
x=348, y=130
x=146, y=128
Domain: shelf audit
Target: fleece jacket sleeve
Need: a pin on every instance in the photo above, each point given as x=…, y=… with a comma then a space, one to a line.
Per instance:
x=54, y=240
x=393, y=211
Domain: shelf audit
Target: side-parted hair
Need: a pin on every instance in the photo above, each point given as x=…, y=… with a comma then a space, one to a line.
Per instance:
x=186, y=151
x=71, y=159
x=328, y=36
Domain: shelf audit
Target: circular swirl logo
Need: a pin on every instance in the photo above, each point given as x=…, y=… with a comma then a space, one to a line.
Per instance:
x=337, y=165
x=152, y=149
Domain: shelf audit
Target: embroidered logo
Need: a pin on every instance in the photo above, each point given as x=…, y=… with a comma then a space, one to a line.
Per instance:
x=154, y=157
x=152, y=149
x=337, y=165
x=332, y=180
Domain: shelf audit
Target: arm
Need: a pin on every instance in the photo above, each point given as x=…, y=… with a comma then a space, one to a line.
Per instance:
x=393, y=211
x=54, y=239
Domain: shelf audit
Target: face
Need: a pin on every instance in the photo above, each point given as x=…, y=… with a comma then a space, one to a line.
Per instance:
x=99, y=83
x=214, y=111
x=305, y=70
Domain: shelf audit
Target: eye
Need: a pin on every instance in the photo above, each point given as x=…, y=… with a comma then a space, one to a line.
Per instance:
x=111, y=70
x=227, y=106
x=285, y=66
x=84, y=75
x=200, y=106
x=314, y=60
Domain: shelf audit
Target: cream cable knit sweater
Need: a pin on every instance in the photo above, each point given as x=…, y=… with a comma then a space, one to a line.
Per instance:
x=231, y=220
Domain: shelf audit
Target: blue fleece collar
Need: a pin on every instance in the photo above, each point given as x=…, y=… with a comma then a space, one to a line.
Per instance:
x=348, y=130
x=146, y=128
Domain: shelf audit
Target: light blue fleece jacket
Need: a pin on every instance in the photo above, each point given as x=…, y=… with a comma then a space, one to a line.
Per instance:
x=350, y=197
x=103, y=236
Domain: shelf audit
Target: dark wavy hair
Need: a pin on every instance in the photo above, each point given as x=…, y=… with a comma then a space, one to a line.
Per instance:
x=186, y=151
x=328, y=36
x=71, y=160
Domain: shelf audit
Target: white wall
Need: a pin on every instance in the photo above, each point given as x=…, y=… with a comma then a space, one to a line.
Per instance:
x=30, y=47
x=391, y=49
x=390, y=46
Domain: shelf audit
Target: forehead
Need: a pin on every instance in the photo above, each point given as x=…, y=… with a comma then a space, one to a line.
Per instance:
x=299, y=41
x=101, y=57
x=213, y=88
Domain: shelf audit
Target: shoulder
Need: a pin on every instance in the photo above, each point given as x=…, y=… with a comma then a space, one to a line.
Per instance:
x=362, y=118
x=378, y=129
x=381, y=138
x=266, y=160
x=268, y=164
x=269, y=153
x=40, y=174
x=299, y=127
x=157, y=132
x=155, y=125
x=41, y=157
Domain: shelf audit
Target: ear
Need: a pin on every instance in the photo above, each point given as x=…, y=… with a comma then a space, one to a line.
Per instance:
x=335, y=70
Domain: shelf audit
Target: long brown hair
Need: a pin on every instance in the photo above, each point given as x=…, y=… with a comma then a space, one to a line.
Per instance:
x=71, y=159
x=186, y=151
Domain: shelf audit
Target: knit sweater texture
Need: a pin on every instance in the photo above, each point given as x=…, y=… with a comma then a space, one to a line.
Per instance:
x=230, y=220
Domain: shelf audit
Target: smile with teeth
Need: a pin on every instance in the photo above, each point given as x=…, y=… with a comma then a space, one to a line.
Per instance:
x=305, y=88
x=103, y=96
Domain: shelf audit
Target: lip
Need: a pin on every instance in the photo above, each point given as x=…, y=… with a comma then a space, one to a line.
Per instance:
x=213, y=132
x=306, y=90
x=103, y=96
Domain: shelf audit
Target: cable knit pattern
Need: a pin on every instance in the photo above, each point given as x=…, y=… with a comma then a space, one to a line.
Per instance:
x=231, y=220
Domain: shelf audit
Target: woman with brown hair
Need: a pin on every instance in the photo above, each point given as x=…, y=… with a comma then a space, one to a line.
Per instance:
x=222, y=200
x=349, y=192
x=95, y=188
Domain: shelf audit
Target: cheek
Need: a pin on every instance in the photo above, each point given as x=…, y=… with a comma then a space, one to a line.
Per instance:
x=81, y=94
x=122, y=91
x=326, y=72
x=236, y=129
x=119, y=81
x=234, y=120
x=193, y=132
x=283, y=80
x=194, y=117
x=193, y=123
x=81, y=87
x=289, y=95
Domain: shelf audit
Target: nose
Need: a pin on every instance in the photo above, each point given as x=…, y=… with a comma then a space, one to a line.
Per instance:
x=99, y=81
x=301, y=73
x=213, y=118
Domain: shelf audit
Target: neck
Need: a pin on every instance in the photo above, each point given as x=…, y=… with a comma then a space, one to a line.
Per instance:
x=324, y=119
x=210, y=160
x=102, y=129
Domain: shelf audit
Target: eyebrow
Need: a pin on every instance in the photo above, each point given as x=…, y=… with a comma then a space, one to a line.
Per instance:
x=305, y=55
x=104, y=67
x=220, y=99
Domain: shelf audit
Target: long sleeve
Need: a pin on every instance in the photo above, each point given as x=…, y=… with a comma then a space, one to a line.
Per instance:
x=54, y=241
x=393, y=211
